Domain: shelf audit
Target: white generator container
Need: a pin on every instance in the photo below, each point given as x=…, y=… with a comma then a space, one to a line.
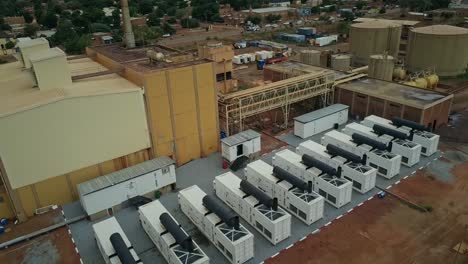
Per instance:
x=361, y=176
x=410, y=152
x=319, y=152
x=306, y=206
x=292, y=163
x=235, y=244
x=357, y=128
x=237, y=60
x=172, y=251
x=429, y=142
x=274, y=225
x=387, y=164
x=320, y=120
x=339, y=189
x=336, y=191
x=103, y=231
x=244, y=143
x=345, y=142
x=372, y=120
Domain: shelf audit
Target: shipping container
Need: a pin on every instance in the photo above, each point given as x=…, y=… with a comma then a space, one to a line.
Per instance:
x=113, y=244
x=338, y=191
x=235, y=242
x=244, y=143
x=410, y=152
x=352, y=128
x=387, y=164
x=345, y=142
x=306, y=205
x=319, y=152
x=320, y=120
x=327, y=40
x=361, y=176
x=173, y=242
x=113, y=189
x=272, y=222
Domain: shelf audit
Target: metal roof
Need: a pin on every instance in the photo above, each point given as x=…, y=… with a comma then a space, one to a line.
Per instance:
x=240, y=137
x=309, y=117
x=269, y=9
x=105, y=181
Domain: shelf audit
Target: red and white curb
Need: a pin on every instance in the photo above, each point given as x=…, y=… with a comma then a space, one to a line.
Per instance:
x=71, y=237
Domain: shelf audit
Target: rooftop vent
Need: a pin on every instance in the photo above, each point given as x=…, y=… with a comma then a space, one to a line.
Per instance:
x=30, y=47
x=50, y=68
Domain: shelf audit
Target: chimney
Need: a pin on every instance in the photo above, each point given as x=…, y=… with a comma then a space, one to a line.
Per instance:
x=129, y=38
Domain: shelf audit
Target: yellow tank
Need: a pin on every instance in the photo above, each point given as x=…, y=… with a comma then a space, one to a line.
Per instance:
x=399, y=73
x=432, y=81
x=411, y=83
x=421, y=82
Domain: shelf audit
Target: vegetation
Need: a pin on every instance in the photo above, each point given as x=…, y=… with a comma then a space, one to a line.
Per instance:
x=255, y=19
x=343, y=27
x=189, y=23
x=272, y=18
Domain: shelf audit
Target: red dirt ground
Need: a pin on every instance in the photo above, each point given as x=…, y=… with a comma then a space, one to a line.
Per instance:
x=388, y=231
x=52, y=248
x=33, y=224
x=270, y=143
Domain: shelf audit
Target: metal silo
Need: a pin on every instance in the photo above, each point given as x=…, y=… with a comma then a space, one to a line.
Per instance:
x=381, y=67
x=443, y=48
x=340, y=62
x=310, y=57
x=370, y=38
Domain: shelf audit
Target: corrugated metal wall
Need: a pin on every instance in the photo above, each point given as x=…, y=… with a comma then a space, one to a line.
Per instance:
x=182, y=108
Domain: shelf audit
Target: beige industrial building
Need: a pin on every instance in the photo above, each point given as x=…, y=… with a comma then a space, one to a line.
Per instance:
x=371, y=38
x=441, y=48
x=62, y=123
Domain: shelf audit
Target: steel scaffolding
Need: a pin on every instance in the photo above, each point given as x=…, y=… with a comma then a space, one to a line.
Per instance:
x=235, y=107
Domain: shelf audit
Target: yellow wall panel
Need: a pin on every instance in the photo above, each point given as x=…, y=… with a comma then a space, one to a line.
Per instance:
x=156, y=84
x=54, y=191
x=133, y=76
x=5, y=206
x=136, y=158
x=110, y=166
x=186, y=124
x=182, y=90
x=26, y=197
x=210, y=141
x=187, y=150
x=83, y=175
x=165, y=149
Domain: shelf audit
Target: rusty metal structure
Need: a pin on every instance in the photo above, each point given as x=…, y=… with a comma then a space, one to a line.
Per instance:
x=235, y=107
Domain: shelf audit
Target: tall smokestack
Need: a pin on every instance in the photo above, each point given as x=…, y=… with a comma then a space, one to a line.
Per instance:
x=129, y=38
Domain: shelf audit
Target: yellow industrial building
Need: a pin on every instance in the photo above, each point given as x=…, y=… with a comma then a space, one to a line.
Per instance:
x=180, y=97
x=65, y=120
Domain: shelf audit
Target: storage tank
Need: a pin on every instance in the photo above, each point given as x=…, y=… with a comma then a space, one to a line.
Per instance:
x=381, y=67
x=421, y=82
x=443, y=48
x=432, y=81
x=371, y=38
x=399, y=73
x=310, y=57
x=340, y=62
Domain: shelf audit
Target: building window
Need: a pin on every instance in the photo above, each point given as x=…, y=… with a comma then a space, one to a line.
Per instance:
x=268, y=233
x=373, y=165
x=259, y=226
x=322, y=193
x=331, y=198
x=382, y=171
x=293, y=208
x=357, y=185
x=302, y=215
x=228, y=254
x=423, y=150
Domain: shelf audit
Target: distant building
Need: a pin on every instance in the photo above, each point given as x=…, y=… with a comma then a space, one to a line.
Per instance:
x=138, y=21
x=45, y=33
x=283, y=11
x=14, y=21
x=108, y=11
x=102, y=38
x=282, y=3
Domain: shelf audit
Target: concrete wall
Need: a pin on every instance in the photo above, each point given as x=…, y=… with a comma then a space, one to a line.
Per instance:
x=71, y=134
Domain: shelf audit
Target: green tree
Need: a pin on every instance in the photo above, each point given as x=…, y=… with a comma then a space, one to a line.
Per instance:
x=361, y=4
x=171, y=11
x=116, y=18
x=167, y=29
x=93, y=14
x=28, y=18
x=65, y=31
x=9, y=45
x=189, y=23
x=160, y=12
x=172, y=20
x=77, y=45
x=30, y=30
x=255, y=19
x=272, y=18
x=50, y=20
x=147, y=35
x=205, y=10
x=145, y=7
x=343, y=27
x=99, y=27
x=180, y=13
x=154, y=19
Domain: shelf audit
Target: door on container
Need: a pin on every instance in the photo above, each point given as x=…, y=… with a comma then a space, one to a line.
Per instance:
x=131, y=189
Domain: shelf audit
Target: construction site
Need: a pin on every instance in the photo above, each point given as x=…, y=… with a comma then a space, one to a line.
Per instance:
x=244, y=152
